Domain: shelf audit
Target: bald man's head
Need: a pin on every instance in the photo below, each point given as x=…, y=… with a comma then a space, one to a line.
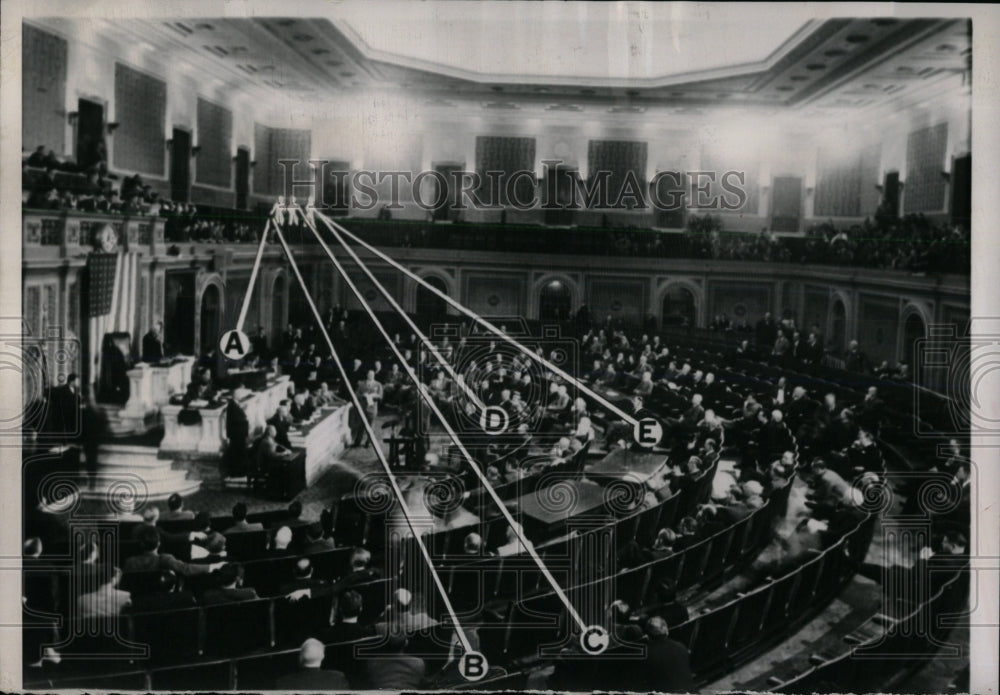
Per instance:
x=311, y=653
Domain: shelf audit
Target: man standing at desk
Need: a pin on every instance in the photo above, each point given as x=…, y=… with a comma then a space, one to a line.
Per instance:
x=152, y=344
x=369, y=393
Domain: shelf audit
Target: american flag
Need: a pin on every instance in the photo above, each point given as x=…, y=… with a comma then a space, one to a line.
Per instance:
x=111, y=300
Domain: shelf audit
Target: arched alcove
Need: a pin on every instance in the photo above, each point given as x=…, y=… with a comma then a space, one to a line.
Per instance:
x=679, y=306
x=555, y=301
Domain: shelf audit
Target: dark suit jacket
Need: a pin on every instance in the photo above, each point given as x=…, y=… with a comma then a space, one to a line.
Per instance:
x=348, y=632
x=403, y=672
x=214, y=597
x=668, y=667
x=152, y=348
x=312, y=679
x=162, y=602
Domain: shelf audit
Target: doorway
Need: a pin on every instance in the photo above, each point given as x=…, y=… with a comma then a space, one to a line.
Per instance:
x=211, y=318
x=178, y=310
x=679, y=307
x=180, y=165
x=91, y=148
x=555, y=302
x=429, y=305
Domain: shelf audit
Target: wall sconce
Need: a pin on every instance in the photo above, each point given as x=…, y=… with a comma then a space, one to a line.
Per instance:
x=112, y=127
x=72, y=116
x=196, y=150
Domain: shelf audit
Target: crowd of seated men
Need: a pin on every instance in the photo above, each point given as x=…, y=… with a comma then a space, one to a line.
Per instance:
x=764, y=427
x=175, y=570
x=51, y=183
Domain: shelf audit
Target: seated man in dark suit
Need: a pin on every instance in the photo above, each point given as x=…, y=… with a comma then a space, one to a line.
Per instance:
x=176, y=511
x=152, y=344
x=667, y=667
x=311, y=675
x=396, y=670
x=269, y=448
x=303, y=583
x=149, y=557
x=302, y=408
x=165, y=597
x=240, y=522
x=344, y=614
x=360, y=571
x=230, y=587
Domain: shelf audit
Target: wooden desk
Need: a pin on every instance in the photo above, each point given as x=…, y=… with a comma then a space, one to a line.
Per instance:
x=632, y=466
x=209, y=437
x=545, y=514
x=323, y=439
x=151, y=386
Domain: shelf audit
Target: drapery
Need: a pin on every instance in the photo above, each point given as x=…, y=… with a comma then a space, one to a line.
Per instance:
x=507, y=155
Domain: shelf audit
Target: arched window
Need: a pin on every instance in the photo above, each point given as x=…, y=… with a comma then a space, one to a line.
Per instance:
x=555, y=302
x=679, y=307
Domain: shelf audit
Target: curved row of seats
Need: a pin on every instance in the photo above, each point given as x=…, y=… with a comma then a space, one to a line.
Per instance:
x=702, y=552
x=875, y=664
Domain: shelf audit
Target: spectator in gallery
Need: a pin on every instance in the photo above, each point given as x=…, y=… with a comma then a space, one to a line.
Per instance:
x=310, y=674
x=229, y=589
x=667, y=665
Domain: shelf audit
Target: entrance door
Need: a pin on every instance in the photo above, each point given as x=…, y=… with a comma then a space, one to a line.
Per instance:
x=554, y=303
x=211, y=319
x=180, y=165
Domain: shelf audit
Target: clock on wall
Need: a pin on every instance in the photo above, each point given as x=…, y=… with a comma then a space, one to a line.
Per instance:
x=106, y=239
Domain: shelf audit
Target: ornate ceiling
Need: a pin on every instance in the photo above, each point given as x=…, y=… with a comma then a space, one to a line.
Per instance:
x=819, y=65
